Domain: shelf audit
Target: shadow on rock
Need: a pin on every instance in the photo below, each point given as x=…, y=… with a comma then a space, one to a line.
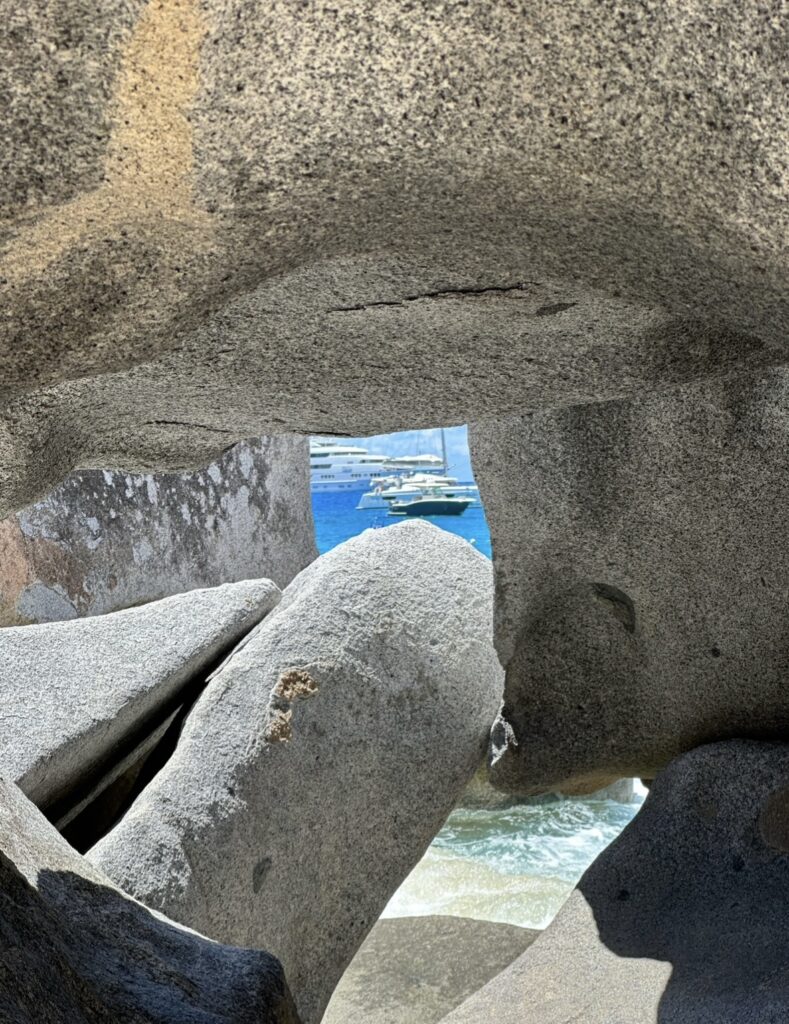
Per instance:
x=682, y=920
x=699, y=880
x=116, y=960
x=74, y=948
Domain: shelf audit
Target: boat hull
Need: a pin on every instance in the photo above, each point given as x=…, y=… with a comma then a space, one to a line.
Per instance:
x=374, y=500
x=430, y=507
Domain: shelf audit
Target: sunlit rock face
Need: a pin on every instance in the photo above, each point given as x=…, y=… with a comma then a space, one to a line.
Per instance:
x=83, y=696
x=107, y=540
x=296, y=801
x=419, y=968
x=642, y=557
x=224, y=219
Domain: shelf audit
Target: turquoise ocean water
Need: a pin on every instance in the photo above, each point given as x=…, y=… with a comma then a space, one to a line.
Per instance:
x=516, y=864
x=337, y=520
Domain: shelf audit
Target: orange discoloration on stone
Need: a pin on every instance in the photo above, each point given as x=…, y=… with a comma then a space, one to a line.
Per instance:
x=280, y=727
x=15, y=570
x=53, y=565
x=27, y=560
x=149, y=163
x=295, y=683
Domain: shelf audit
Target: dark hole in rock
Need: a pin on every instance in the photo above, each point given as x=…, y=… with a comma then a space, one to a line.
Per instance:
x=618, y=603
x=260, y=872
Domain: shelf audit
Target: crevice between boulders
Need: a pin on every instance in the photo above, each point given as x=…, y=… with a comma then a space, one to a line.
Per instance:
x=96, y=803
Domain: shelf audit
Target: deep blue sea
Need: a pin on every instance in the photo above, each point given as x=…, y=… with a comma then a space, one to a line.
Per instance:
x=337, y=520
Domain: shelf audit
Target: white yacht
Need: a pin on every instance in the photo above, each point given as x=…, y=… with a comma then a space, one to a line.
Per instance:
x=415, y=464
x=430, y=505
x=414, y=486
x=335, y=466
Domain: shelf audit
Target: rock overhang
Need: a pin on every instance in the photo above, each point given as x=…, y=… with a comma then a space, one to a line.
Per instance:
x=236, y=231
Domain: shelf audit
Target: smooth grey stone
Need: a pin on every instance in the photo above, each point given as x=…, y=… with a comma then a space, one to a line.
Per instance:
x=642, y=556
x=74, y=694
x=414, y=970
x=105, y=540
x=682, y=920
x=76, y=950
x=324, y=755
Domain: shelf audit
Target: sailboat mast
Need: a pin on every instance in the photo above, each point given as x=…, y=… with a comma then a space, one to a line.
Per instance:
x=444, y=450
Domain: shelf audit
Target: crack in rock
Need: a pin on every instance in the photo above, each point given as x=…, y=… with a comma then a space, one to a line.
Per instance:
x=185, y=423
x=443, y=293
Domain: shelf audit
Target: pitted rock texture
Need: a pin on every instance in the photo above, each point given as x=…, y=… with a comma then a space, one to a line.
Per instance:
x=76, y=696
x=224, y=220
x=74, y=948
x=323, y=757
x=641, y=552
x=681, y=920
x=107, y=540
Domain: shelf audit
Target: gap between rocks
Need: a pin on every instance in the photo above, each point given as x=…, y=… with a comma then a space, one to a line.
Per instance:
x=97, y=803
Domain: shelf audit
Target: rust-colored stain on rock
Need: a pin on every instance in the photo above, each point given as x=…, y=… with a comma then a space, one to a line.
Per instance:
x=294, y=683
x=15, y=570
x=280, y=729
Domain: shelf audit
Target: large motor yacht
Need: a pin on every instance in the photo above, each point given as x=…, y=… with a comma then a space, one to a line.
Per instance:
x=414, y=486
x=343, y=467
x=336, y=466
